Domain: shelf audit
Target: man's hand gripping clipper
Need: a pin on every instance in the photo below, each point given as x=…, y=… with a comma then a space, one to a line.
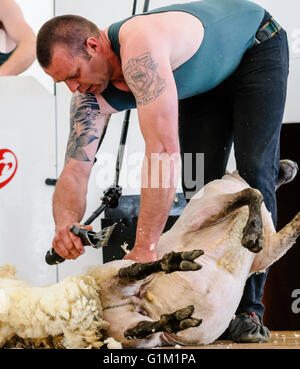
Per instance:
x=88, y=238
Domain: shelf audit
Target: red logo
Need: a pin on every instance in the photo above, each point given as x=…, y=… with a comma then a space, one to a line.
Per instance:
x=8, y=166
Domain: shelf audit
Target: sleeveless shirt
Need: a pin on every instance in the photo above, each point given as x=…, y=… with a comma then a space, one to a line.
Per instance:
x=229, y=31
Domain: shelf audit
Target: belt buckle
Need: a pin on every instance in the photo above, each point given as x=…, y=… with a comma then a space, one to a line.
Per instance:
x=263, y=34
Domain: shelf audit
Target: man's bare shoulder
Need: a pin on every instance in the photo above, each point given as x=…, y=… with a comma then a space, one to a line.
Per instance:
x=176, y=35
x=143, y=28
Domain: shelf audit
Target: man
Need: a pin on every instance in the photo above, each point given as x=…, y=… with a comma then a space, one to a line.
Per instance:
x=211, y=70
x=18, y=42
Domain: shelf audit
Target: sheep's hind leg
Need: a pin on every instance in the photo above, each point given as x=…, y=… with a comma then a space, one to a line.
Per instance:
x=169, y=323
x=253, y=231
x=171, y=262
x=252, y=234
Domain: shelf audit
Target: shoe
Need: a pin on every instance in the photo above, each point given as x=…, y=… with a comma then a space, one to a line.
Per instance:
x=247, y=328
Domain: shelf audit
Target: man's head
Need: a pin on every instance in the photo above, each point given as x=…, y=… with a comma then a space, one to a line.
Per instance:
x=69, y=50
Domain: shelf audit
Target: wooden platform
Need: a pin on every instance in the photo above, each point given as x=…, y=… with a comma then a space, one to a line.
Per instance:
x=278, y=340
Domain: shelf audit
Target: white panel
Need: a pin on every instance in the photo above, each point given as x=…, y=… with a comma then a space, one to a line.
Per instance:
x=27, y=129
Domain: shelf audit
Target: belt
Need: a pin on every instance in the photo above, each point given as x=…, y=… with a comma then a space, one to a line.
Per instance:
x=267, y=31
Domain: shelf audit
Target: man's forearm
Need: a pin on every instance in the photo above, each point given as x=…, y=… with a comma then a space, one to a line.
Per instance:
x=69, y=200
x=159, y=181
x=154, y=211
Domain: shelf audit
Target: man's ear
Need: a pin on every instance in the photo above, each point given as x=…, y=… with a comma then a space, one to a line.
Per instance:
x=92, y=45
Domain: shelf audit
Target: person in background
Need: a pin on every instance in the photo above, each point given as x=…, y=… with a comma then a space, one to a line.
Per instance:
x=17, y=40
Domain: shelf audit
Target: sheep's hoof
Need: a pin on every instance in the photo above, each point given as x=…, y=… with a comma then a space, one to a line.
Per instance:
x=253, y=235
x=181, y=261
x=171, y=262
x=169, y=323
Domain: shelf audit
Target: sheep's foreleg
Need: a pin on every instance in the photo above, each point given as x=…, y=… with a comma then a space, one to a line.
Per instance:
x=171, y=262
x=279, y=243
x=170, y=323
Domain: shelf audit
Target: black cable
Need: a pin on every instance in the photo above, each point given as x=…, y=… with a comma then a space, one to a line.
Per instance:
x=146, y=6
x=134, y=7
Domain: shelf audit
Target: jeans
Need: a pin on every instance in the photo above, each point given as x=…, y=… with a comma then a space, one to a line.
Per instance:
x=247, y=110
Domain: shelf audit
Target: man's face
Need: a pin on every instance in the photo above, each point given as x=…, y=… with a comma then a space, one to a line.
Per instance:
x=79, y=73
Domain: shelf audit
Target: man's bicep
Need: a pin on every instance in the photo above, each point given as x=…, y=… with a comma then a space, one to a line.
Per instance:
x=144, y=77
x=151, y=80
x=86, y=128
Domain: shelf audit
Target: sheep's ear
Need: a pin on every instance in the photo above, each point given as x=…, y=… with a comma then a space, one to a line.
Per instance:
x=4, y=302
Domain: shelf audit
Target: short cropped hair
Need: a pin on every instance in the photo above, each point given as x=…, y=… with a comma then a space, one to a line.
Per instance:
x=69, y=30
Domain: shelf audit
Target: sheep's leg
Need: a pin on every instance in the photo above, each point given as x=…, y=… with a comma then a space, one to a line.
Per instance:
x=252, y=233
x=282, y=241
x=171, y=262
x=278, y=244
x=170, y=323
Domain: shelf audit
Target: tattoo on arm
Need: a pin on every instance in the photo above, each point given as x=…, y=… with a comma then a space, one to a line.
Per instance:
x=84, y=111
x=143, y=80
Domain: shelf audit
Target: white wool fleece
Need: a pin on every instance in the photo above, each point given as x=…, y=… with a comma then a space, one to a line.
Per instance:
x=71, y=307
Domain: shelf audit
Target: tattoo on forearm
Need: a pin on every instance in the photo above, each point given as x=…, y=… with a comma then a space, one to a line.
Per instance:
x=143, y=80
x=84, y=111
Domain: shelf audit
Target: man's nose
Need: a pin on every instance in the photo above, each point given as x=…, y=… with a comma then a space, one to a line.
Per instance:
x=73, y=85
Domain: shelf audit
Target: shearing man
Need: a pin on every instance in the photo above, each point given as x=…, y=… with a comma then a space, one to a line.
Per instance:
x=202, y=75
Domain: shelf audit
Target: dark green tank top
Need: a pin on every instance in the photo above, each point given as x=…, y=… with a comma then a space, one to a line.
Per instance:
x=229, y=30
x=4, y=57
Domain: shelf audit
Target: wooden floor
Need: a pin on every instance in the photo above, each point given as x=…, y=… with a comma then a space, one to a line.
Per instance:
x=278, y=340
